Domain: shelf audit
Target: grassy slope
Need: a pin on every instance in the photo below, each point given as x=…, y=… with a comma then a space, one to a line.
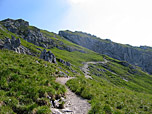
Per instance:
x=25, y=83
x=106, y=98
x=123, y=76
x=96, y=89
x=109, y=93
x=106, y=94
x=137, y=79
x=75, y=57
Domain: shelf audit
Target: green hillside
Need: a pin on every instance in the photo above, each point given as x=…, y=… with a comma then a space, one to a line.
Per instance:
x=123, y=75
x=26, y=81
x=106, y=98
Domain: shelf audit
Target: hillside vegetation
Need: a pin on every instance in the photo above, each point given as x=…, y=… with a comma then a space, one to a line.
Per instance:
x=107, y=98
x=26, y=81
x=25, y=84
x=123, y=75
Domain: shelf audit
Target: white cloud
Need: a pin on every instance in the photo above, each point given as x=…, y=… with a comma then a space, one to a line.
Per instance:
x=78, y=1
x=123, y=21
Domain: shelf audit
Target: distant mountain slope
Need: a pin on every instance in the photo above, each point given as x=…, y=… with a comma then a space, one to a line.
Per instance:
x=140, y=56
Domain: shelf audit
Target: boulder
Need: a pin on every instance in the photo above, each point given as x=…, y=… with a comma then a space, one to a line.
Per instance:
x=12, y=44
x=15, y=45
x=48, y=56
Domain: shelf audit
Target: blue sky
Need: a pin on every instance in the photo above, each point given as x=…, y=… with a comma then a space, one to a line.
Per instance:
x=122, y=21
x=46, y=14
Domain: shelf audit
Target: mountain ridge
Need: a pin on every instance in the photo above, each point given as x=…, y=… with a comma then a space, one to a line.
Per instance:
x=139, y=56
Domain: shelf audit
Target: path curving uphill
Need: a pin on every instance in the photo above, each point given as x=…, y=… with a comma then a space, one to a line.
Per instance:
x=86, y=65
x=75, y=104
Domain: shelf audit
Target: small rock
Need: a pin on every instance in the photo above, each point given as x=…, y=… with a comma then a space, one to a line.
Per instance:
x=66, y=110
x=48, y=56
x=55, y=111
x=64, y=62
x=56, y=103
x=37, y=62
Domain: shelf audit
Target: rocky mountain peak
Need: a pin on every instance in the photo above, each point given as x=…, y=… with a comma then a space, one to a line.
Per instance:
x=16, y=23
x=15, y=26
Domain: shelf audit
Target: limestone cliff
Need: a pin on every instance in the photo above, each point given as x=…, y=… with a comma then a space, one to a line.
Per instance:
x=140, y=56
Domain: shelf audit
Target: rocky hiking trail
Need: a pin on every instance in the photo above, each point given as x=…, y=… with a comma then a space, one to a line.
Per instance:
x=86, y=65
x=74, y=104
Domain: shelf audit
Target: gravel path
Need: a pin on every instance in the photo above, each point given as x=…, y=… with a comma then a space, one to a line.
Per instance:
x=86, y=65
x=73, y=104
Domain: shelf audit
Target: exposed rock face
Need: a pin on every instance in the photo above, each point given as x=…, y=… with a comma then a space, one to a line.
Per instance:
x=139, y=56
x=15, y=25
x=15, y=45
x=21, y=27
x=12, y=44
x=48, y=56
x=35, y=36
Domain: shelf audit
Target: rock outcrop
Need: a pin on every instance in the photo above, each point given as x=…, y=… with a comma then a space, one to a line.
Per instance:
x=12, y=44
x=65, y=62
x=48, y=56
x=34, y=35
x=15, y=26
x=15, y=45
x=139, y=56
x=30, y=34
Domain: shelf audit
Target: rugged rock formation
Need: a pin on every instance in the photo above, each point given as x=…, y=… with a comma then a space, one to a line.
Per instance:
x=15, y=45
x=12, y=44
x=140, y=56
x=35, y=36
x=48, y=56
x=15, y=26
